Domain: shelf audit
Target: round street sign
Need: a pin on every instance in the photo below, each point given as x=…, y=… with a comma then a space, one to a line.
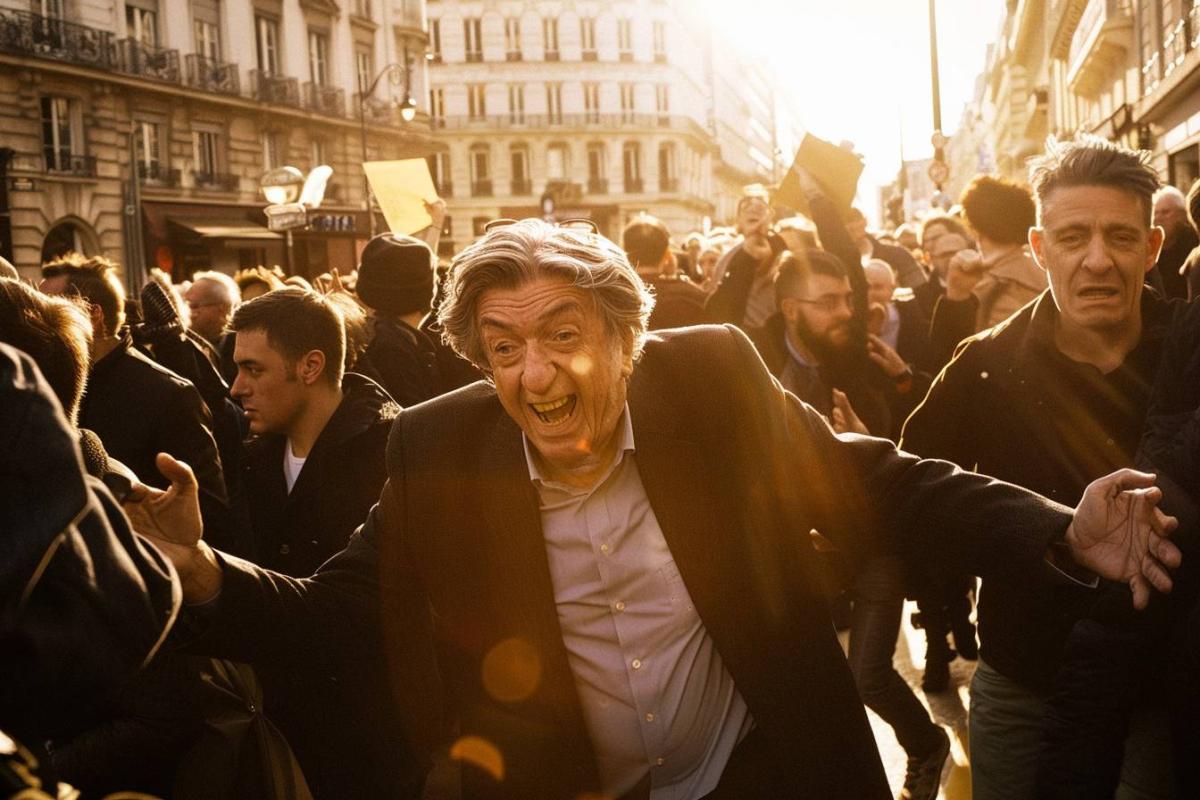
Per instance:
x=938, y=172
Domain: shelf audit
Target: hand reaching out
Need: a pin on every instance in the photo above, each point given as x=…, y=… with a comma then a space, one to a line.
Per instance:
x=885, y=357
x=843, y=418
x=1119, y=533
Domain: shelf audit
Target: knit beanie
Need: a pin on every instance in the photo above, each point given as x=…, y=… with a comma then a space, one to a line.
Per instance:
x=395, y=275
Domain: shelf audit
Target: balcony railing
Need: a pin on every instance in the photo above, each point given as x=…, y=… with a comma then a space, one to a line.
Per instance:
x=668, y=184
x=521, y=186
x=212, y=75
x=79, y=166
x=1150, y=74
x=325, y=99
x=46, y=37
x=481, y=188
x=157, y=174
x=677, y=122
x=597, y=186
x=275, y=88
x=147, y=61
x=633, y=185
x=1175, y=48
x=216, y=181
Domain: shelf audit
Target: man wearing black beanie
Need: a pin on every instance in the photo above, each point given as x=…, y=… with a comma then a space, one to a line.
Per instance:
x=395, y=280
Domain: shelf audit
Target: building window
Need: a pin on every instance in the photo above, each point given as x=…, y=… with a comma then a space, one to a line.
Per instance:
x=473, y=36
x=512, y=38
x=668, y=180
x=364, y=68
x=146, y=145
x=435, y=40
x=267, y=44
x=476, y=101
x=519, y=158
x=625, y=39
x=316, y=153
x=272, y=150
x=60, y=132
x=662, y=102
x=591, y=102
x=439, y=170
x=206, y=154
x=52, y=9
x=437, y=107
x=550, y=37
x=596, y=161
x=554, y=103
x=141, y=23
x=318, y=57
x=206, y=25
x=516, y=103
x=631, y=166
x=660, y=42
x=362, y=8
x=628, y=105
x=587, y=38
x=481, y=171
x=558, y=162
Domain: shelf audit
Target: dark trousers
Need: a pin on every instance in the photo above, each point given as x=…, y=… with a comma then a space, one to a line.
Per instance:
x=875, y=624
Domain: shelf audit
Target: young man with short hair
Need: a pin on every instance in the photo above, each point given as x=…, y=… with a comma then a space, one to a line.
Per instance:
x=678, y=301
x=310, y=474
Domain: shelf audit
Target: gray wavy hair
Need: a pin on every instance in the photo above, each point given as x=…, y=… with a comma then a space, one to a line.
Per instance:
x=509, y=256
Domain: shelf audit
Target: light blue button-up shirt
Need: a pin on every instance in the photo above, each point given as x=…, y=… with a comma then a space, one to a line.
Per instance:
x=655, y=695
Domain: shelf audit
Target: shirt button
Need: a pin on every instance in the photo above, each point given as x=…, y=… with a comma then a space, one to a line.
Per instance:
x=650, y=717
x=604, y=549
x=660, y=761
x=619, y=605
x=637, y=664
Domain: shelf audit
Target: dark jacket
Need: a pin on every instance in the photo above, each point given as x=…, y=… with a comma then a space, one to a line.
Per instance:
x=1011, y=405
x=139, y=409
x=343, y=733
x=454, y=561
x=908, y=271
x=1168, y=275
x=404, y=361
x=678, y=303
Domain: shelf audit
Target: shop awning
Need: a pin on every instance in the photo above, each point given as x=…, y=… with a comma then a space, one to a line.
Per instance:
x=226, y=229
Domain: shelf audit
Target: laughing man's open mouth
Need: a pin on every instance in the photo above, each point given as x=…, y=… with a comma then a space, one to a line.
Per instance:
x=555, y=411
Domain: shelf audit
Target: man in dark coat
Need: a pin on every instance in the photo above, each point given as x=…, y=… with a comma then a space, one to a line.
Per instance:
x=136, y=406
x=310, y=475
x=1179, y=239
x=612, y=563
x=395, y=281
x=677, y=301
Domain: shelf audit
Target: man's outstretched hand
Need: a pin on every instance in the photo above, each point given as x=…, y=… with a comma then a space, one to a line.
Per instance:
x=1120, y=534
x=171, y=520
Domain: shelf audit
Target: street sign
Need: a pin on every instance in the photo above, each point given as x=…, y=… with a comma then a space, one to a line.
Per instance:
x=938, y=140
x=286, y=216
x=939, y=172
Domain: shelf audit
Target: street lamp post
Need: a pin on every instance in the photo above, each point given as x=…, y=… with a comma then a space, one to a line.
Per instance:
x=408, y=111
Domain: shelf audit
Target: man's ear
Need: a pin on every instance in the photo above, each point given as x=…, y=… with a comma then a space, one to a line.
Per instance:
x=96, y=315
x=1037, y=240
x=789, y=308
x=1154, y=243
x=311, y=367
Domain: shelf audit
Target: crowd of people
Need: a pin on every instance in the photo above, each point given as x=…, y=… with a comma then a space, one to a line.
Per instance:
x=570, y=518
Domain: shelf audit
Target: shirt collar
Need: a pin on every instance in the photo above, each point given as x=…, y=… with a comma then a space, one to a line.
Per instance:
x=625, y=426
x=795, y=354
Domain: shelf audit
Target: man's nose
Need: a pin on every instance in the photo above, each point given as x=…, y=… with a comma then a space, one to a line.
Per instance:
x=538, y=370
x=1097, y=257
x=238, y=389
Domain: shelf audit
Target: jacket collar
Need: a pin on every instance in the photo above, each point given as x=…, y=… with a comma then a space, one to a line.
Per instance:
x=1038, y=338
x=110, y=360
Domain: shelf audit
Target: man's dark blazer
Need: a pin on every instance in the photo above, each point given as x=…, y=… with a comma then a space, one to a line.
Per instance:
x=452, y=560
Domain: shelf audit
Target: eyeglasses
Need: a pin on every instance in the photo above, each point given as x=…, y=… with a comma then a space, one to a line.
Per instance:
x=576, y=224
x=830, y=302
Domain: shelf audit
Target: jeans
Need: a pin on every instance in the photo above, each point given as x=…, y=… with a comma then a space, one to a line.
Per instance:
x=875, y=624
x=1007, y=724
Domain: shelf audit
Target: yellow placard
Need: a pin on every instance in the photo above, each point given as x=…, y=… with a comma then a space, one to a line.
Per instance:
x=401, y=189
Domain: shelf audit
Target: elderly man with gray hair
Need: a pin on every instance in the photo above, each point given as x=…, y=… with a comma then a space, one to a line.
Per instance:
x=211, y=299
x=600, y=556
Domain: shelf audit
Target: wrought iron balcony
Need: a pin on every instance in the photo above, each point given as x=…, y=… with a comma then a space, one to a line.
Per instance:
x=212, y=75
x=46, y=37
x=481, y=188
x=216, y=181
x=157, y=174
x=522, y=186
x=64, y=164
x=147, y=61
x=325, y=99
x=587, y=119
x=633, y=185
x=597, y=186
x=275, y=88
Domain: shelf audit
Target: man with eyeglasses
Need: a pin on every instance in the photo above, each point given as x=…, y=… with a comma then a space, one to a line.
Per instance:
x=211, y=300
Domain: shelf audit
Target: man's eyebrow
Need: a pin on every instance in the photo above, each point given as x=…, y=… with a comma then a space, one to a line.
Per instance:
x=246, y=362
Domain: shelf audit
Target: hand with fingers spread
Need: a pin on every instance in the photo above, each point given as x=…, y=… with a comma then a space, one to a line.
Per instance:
x=171, y=521
x=886, y=357
x=1120, y=534
x=843, y=418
